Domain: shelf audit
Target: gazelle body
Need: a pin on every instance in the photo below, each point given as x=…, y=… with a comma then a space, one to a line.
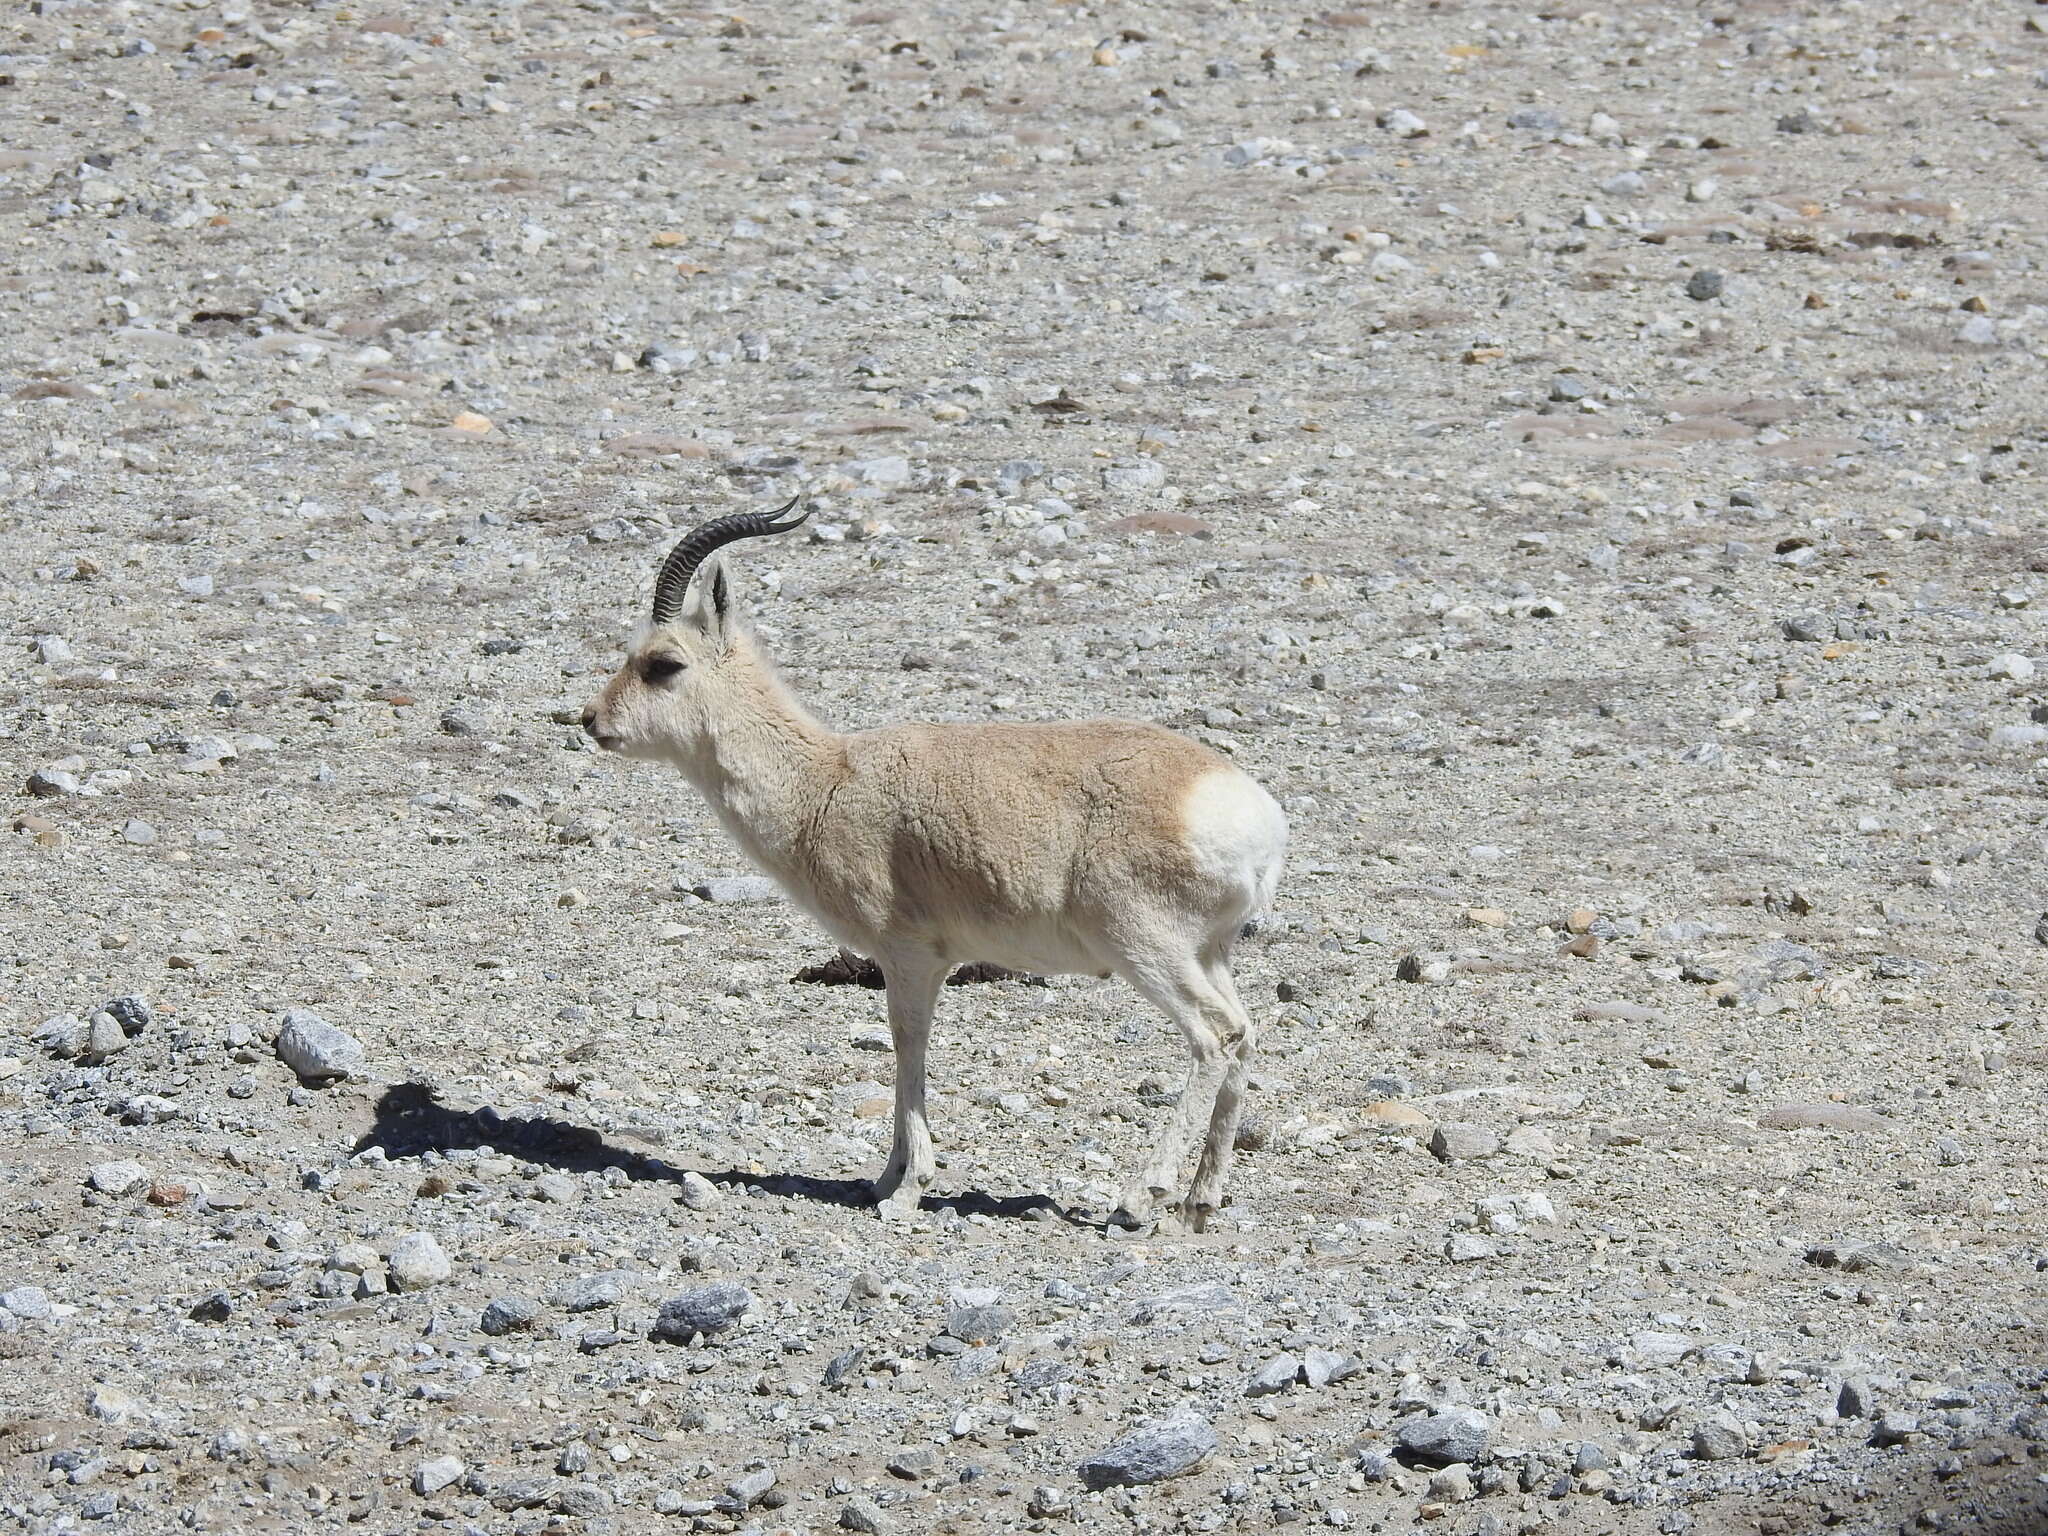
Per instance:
x=1095, y=847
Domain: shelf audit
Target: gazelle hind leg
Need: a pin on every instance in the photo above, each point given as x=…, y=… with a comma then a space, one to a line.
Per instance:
x=1205, y=1019
x=1205, y=1195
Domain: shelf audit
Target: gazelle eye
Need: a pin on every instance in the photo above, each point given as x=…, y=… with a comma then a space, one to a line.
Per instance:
x=659, y=669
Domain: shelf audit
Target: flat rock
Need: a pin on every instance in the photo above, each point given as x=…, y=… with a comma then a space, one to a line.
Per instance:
x=315, y=1049
x=708, y=1310
x=1832, y=1117
x=1166, y=1448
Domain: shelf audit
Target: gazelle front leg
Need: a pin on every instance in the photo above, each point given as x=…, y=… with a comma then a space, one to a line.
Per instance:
x=914, y=981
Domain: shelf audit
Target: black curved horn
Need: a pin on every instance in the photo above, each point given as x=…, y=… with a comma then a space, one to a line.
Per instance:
x=698, y=545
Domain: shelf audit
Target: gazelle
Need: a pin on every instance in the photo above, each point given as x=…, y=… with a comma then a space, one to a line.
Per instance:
x=1096, y=847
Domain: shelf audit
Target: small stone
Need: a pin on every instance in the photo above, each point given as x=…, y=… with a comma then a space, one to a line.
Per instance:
x=417, y=1262
x=1164, y=1449
x=2012, y=665
x=976, y=1316
x=430, y=1477
x=49, y=782
x=138, y=832
x=104, y=1036
x=699, y=1193
x=1276, y=1375
x=1134, y=477
x=747, y=1490
x=1453, y=1485
x=1567, y=388
x=315, y=1049
x=132, y=1012
x=118, y=1178
x=1469, y=1248
x=707, y=1310
x=1835, y=1117
x=1978, y=331
x=738, y=889
x=863, y=1514
x=114, y=1405
x=554, y=1188
x=1705, y=284
x=1452, y=1435
x=509, y=1314
x=1856, y=1400
x=1719, y=1440
x=1403, y=124
x=213, y=1307
x=1456, y=1141
x=1894, y=1428
x=1324, y=1368
x=26, y=1301
x=588, y=1293
x=913, y=1463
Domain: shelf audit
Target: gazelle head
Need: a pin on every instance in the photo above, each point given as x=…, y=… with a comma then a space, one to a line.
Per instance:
x=691, y=665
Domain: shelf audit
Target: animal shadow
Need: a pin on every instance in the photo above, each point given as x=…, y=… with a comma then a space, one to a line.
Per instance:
x=409, y=1121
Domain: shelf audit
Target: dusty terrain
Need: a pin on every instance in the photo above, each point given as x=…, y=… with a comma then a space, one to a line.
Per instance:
x=1585, y=460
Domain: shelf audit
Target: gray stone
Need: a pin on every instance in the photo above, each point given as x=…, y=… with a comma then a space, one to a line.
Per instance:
x=913, y=1463
x=49, y=782
x=1705, y=284
x=139, y=832
x=1470, y=1248
x=131, y=1012
x=587, y=1293
x=430, y=1477
x=66, y=1034
x=738, y=888
x=508, y=1314
x=1453, y=1434
x=1134, y=477
x=977, y=1316
x=555, y=1188
x=26, y=1301
x=417, y=1262
x=1894, y=1428
x=747, y=1490
x=1719, y=1440
x=1276, y=1375
x=103, y=1037
x=863, y=1514
x=114, y=1405
x=1162, y=1449
x=315, y=1049
x=117, y=1178
x=1535, y=120
x=1856, y=1400
x=699, y=1193
x=707, y=1310
x=1456, y=1141
x=1324, y=1368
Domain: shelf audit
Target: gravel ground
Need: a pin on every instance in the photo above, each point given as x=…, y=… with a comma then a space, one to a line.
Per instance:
x=1585, y=461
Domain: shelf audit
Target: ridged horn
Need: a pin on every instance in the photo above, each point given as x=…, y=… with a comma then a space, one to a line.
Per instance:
x=701, y=542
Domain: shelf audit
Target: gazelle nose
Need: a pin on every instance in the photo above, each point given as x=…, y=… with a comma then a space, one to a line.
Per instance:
x=590, y=723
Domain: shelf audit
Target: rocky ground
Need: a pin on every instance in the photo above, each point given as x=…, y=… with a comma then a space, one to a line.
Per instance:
x=1587, y=461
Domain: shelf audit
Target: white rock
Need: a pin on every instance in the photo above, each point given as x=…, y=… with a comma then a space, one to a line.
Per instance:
x=2012, y=665
x=117, y=1178
x=417, y=1262
x=430, y=1477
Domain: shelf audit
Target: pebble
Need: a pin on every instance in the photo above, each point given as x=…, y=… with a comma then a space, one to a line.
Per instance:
x=1276, y=1375
x=118, y=1178
x=1457, y=1141
x=1323, y=1368
x=104, y=1036
x=1856, y=1400
x=1894, y=1428
x=2012, y=665
x=708, y=1310
x=587, y=1293
x=1166, y=1448
x=698, y=1192
x=416, y=1262
x=864, y=1514
x=1705, y=284
x=26, y=1301
x=977, y=1316
x=1454, y=1434
x=509, y=1314
x=114, y=1405
x=430, y=1477
x=1834, y=1117
x=315, y=1049
x=747, y=1490
x=1718, y=1440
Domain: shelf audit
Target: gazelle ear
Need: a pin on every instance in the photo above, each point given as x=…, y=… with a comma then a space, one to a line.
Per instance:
x=711, y=603
x=719, y=599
